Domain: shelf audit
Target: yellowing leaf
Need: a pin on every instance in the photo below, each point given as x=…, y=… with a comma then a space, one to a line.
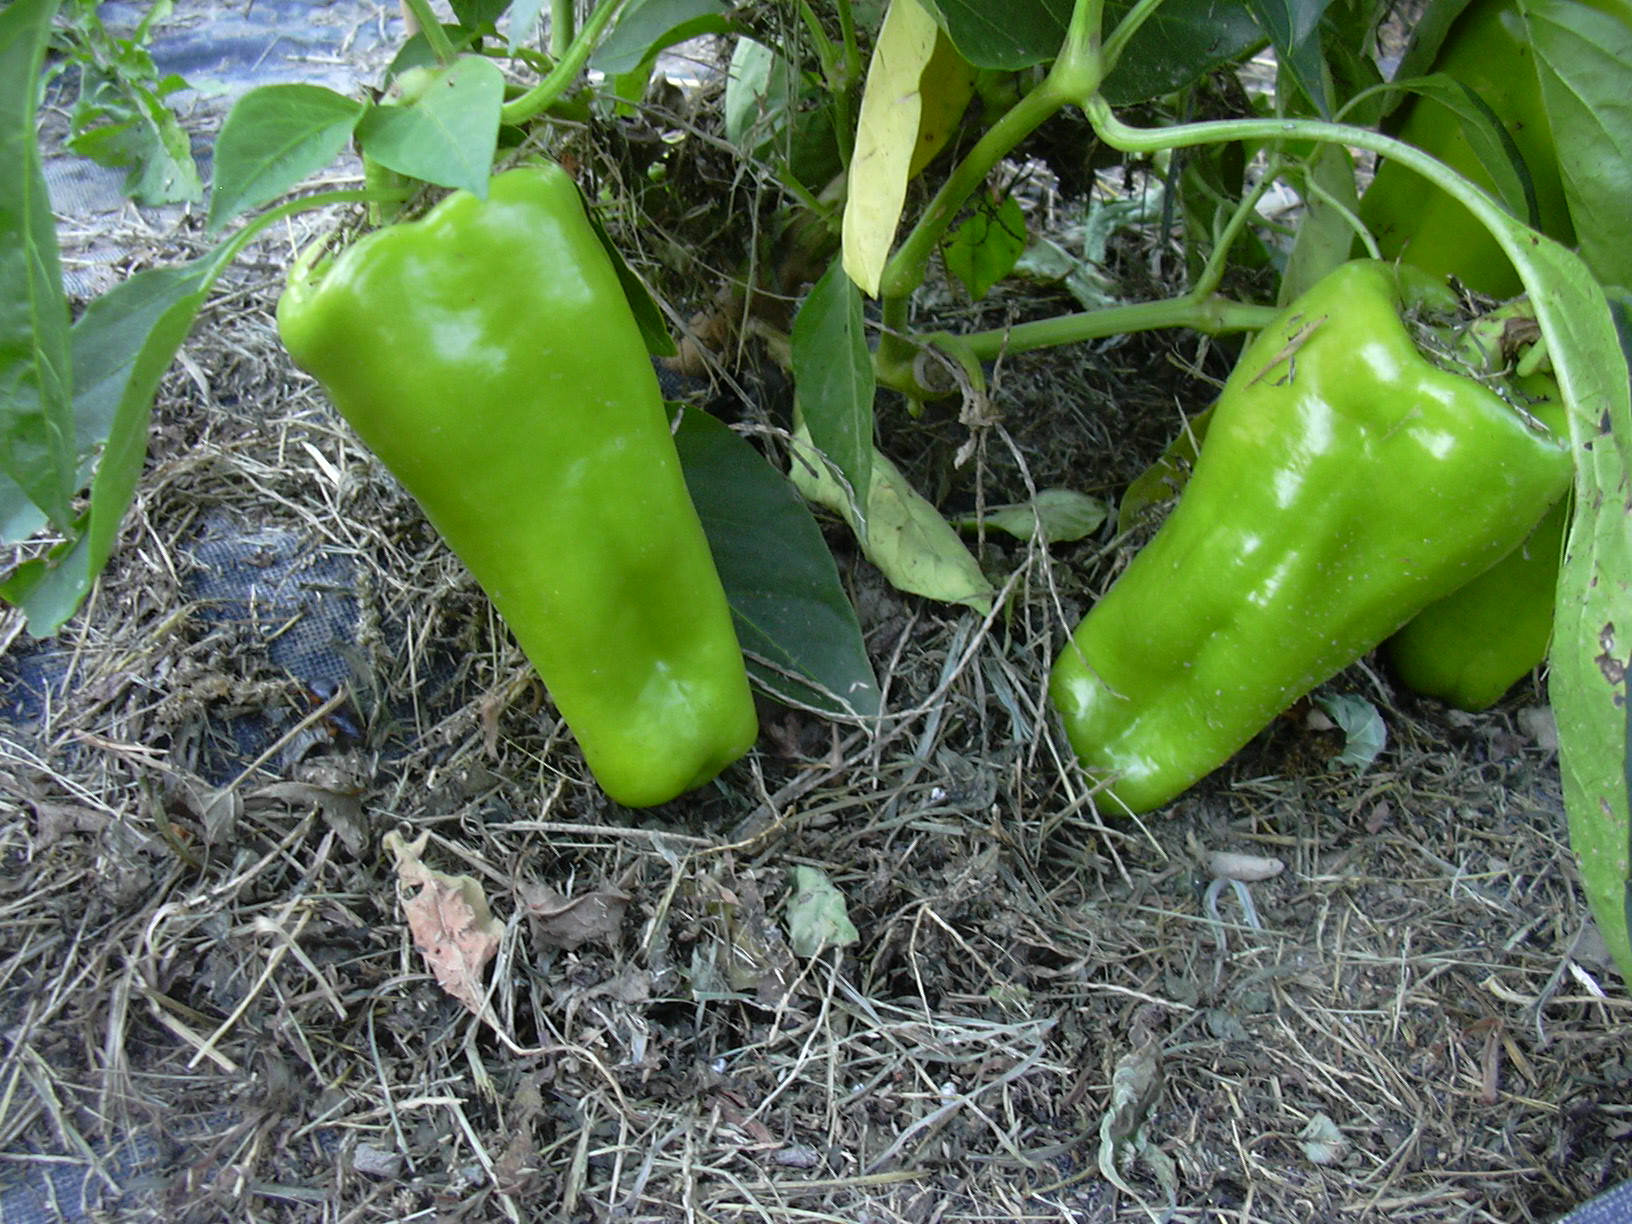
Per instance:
x=886, y=139
x=917, y=549
x=817, y=915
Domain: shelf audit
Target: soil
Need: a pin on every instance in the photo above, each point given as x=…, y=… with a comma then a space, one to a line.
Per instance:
x=213, y=1006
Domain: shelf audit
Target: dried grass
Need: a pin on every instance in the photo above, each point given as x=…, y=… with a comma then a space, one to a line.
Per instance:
x=221, y=965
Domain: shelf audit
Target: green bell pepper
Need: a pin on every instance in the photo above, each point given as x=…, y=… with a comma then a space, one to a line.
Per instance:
x=1488, y=49
x=487, y=354
x=1347, y=481
x=1472, y=646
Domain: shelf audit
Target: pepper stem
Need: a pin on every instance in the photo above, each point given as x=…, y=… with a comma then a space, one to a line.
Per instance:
x=540, y=97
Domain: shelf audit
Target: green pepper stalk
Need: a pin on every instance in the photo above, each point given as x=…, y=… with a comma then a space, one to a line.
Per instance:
x=1347, y=481
x=487, y=354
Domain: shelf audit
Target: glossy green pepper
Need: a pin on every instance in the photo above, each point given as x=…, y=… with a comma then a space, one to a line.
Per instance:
x=487, y=354
x=1488, y=49
x=1472, y=646
x=1347, y=481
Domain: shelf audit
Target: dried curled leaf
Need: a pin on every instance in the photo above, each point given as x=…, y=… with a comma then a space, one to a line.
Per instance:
x=451, y=924
x=566, y=922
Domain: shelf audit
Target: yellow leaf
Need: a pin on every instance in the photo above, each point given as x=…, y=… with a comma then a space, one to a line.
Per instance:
x=886, y=139
x=909, y=541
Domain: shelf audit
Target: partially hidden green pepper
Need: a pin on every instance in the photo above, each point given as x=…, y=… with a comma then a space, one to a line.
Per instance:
x=1488, y=49
x=1347, y=480
x=487, y=354
x=1470, y=647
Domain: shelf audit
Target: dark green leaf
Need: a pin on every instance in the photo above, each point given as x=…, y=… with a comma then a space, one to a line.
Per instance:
x=126, y=124
x=983, y=250
x=123, y=344
x=1182, y=42
x=1353, y=73
x=417, y=53
x=479, y=14
x=654, y=328
x=1584, y=62
x=273, y=138
x=789, y=606
x=833, y=377
x=448, y=136
x=649, y=26
x=1004, y=33
x=36, y=421
x=1293, y=28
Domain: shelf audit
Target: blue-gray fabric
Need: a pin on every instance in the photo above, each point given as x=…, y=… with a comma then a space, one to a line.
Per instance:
x=1610, y=1207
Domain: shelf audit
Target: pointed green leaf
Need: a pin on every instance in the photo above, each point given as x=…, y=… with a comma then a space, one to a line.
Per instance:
x=650, y=26
x=448, y=136
x=1592, y=640
x=123, y=344
x=273, y=138
x=1584, y=62
x=1488, y=138
x=654, y=328
x=760, y=88
x=916, y=549
x=1293, y=27
x=833, y=375
x=792, y=616
x=1059, y=515
x=1182, y=42
x=1325, y=236
x=1006, y=34
x=36, y=421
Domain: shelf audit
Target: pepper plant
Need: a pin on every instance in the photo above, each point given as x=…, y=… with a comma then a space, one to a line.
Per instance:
x=844, y=122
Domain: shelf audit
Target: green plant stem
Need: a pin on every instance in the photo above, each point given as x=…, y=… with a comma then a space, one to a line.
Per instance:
x=541, y=96
x=905, y=270
x=290, y=208
x=1212, y=273
x=429, y=26
x=1350, y=218
x=1212, y=315
x=1118, y=39
x=380, y=182
x=1075, y=74
x=563, y=25
x=1127, y=139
